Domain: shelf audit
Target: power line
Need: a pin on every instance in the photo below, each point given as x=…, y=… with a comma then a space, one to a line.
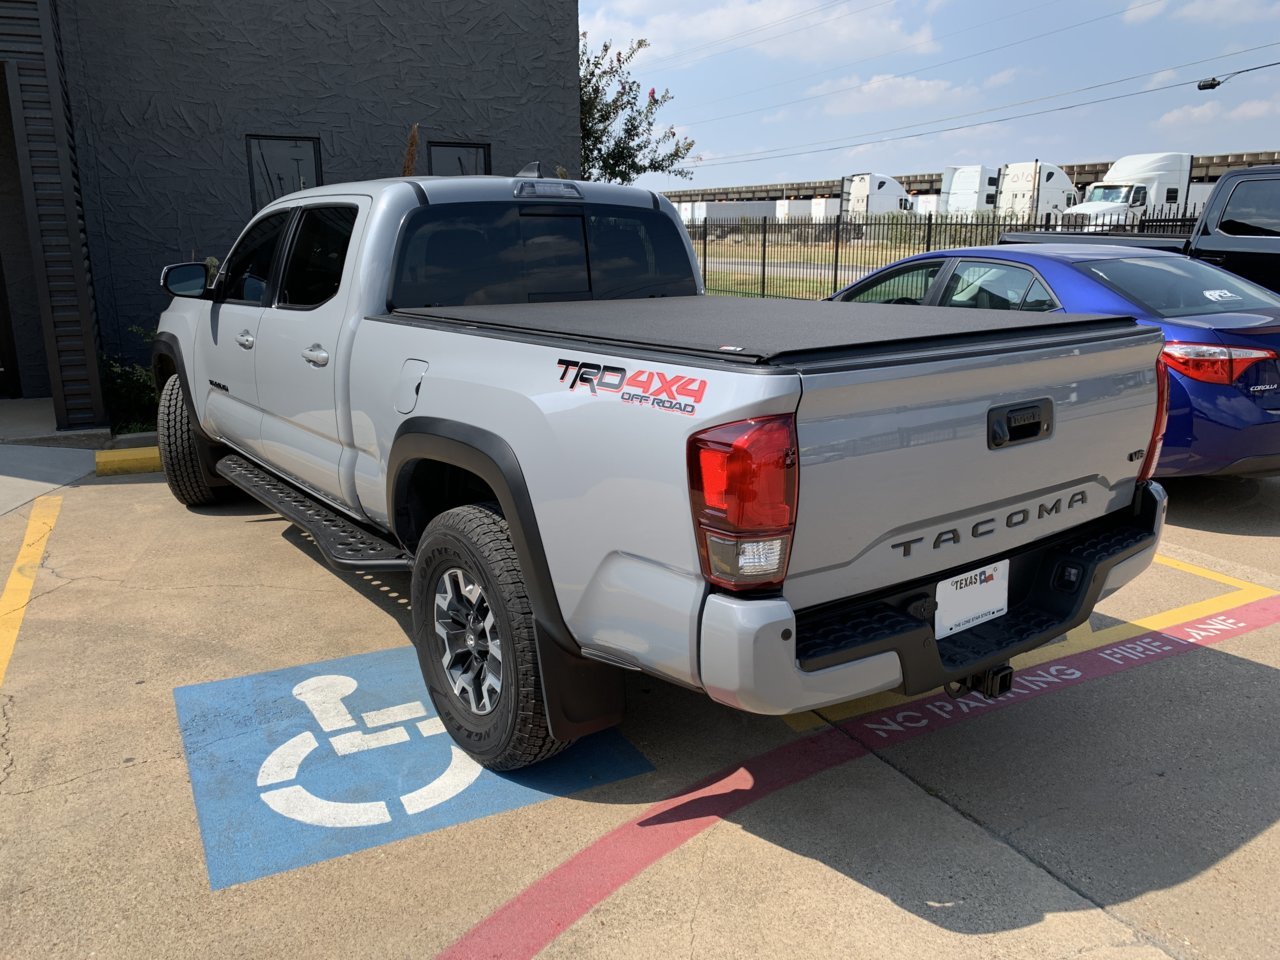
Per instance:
x=1018, y=103
x=964, y=126
x=932, y=66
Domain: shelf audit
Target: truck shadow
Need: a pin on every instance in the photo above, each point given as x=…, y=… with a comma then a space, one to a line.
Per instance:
x=1242, y=506
x=1120, y=787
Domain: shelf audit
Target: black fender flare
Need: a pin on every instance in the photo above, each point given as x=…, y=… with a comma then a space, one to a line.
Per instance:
x=165, y=345
x=582, y=695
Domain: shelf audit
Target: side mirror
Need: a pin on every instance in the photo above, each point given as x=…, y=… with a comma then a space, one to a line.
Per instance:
x=185, y=279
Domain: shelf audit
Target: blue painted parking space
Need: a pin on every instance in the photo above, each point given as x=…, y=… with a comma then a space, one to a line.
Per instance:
x=299, y=765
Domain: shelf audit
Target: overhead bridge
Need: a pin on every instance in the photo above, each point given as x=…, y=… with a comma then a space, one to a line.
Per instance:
x=1204, y=169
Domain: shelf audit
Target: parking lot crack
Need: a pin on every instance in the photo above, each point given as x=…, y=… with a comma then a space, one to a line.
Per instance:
x=88, y=773
x=697, y=902
x=6, y=753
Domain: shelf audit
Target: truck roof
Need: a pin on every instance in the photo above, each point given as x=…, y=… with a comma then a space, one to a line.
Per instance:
x=475, y=189
x=749, y=331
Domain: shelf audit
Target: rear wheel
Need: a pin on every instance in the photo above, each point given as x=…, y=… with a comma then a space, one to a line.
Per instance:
x=473, y=629
x=179, y=448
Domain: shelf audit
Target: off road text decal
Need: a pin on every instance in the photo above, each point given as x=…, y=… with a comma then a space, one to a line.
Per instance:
x=674, y=393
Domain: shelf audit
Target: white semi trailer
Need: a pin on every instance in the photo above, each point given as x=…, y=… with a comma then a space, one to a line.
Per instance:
x=969, y=189
x=874, y=193
x=1034, y=189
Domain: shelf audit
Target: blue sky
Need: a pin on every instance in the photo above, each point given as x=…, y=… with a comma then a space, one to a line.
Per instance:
x=771, y=77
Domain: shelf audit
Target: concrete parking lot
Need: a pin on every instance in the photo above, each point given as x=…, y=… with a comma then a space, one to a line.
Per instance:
x=214, y=745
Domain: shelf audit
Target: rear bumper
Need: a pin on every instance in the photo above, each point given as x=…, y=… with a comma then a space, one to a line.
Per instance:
x=763, y=657
x=1216, y=430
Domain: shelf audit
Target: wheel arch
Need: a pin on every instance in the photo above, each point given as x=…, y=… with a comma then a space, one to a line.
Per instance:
x=436, y=464
x=166, y=361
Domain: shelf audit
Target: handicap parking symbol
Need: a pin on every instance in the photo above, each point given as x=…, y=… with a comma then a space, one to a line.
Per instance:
x=308, y=763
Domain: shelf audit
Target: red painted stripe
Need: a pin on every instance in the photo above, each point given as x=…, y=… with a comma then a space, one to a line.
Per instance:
x=883, y=728
x=531, y=920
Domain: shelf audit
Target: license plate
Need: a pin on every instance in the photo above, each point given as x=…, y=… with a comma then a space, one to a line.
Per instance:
x=972, y=598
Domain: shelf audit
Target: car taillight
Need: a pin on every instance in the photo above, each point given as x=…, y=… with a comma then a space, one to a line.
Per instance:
x=743, y=480
x=1156, y=444
x=1210, y=363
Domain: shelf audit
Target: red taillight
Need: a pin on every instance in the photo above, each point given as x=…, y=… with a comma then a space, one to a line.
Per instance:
x=743, y=480
x=1156, y=444
x=1211, y=363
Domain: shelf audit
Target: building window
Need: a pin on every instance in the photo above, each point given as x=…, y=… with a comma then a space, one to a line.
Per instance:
x=457, y=159
x=281, y=165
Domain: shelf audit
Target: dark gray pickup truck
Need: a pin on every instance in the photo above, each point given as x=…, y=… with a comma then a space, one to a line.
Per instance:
x=1239, y=229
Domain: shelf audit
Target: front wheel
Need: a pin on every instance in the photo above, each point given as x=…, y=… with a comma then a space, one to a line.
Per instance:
x=473, y=630
x=179, y=453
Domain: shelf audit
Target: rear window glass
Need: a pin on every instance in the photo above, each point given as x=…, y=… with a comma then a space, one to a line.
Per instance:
x=1253, y=210
x=485, y=253
x=1174, y=287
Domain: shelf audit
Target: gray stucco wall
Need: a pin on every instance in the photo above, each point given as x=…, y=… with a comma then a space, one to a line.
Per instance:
x=18, y=283
x=163, y=93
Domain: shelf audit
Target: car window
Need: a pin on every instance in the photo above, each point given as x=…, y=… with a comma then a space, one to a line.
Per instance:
x=1252, y=210
x=986, y=286
x=486, y=253
x=910, y=284
x=1179, y=287
x=314, y=271
x=248, y=268
x=1039, y=299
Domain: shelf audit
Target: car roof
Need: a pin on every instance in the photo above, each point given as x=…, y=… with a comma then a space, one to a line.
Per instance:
x=1030, y=253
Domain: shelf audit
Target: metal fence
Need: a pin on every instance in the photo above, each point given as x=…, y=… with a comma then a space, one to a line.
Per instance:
x=812, y=258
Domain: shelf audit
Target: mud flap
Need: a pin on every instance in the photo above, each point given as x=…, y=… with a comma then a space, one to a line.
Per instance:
x=582, y=696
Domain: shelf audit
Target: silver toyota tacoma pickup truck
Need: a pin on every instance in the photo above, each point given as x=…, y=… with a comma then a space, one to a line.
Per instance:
x=783, y=504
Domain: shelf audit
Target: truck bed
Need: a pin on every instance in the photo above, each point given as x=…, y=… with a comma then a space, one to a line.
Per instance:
x=757, y=331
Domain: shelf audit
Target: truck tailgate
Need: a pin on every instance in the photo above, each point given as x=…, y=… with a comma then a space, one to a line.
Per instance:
x=952, y=454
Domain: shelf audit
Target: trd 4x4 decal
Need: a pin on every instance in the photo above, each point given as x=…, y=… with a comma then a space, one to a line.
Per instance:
x=653, y=388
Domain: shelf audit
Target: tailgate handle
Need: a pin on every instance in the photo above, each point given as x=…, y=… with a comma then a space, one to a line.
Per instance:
x=1017, y=423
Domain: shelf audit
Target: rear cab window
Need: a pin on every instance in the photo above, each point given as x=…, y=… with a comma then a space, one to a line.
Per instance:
x=460, y=254
x=1252, y=210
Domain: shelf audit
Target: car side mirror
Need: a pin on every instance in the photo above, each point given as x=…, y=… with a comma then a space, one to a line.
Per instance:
x=185, y=279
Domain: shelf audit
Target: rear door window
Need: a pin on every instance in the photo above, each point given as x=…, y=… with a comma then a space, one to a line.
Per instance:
x=248, y=269
x=986, y=286
x=1252, y=210
x=910, y=284
x=488, y=253
x=314, y=270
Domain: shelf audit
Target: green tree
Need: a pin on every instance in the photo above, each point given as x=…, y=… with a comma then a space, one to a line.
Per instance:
x=620, y=138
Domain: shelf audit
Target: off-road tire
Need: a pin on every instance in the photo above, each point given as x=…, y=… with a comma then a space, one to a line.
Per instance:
x=515, y=733
x=179, y=455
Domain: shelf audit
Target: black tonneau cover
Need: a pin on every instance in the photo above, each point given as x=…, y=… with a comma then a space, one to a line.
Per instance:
x=756, y=331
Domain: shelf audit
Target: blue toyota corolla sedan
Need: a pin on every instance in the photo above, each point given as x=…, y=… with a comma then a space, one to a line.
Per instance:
x=1222, y=333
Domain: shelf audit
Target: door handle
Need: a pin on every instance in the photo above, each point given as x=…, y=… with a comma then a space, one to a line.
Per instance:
x=316, y=355
x=245, y=339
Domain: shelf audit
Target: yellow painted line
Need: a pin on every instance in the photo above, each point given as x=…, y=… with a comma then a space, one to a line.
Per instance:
x=1205, y=572
x=110, y=463
x=1078, y=640
x=17, y=589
